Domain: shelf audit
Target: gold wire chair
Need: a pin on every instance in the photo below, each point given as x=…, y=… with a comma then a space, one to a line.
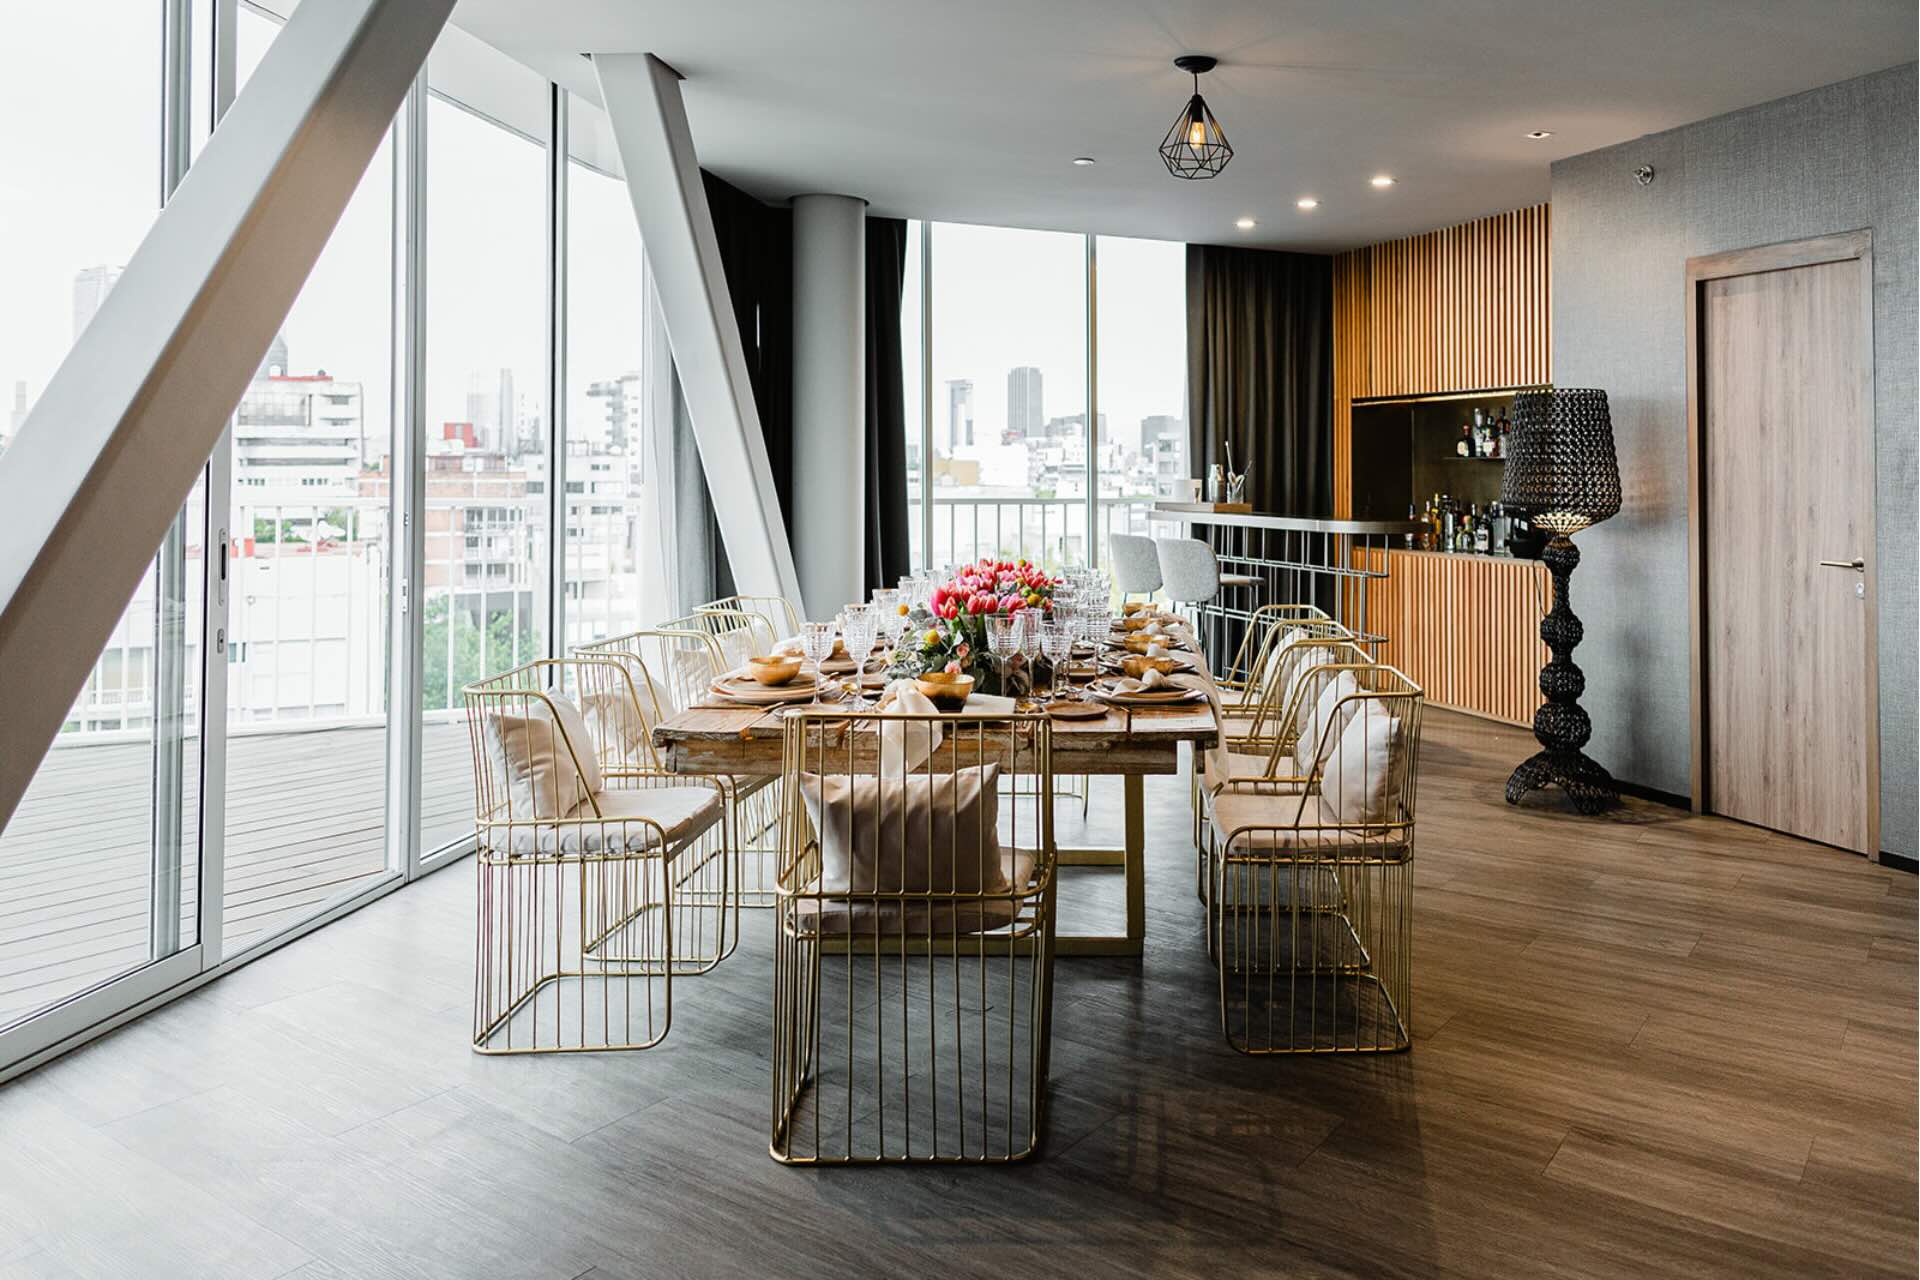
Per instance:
x=676, y=664
x=1310, y=894
x=1242, y=674
x=600, y=879
x=913, y=950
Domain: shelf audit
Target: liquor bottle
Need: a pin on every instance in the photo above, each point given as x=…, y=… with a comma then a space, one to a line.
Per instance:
x=1479, y=433
x=1448, y=529
x=1482, y=534
x=1412, y=538
x=1465, y=447
x=1502, y=529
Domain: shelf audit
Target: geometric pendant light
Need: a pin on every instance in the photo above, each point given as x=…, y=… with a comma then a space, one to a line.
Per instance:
x=1195, y=147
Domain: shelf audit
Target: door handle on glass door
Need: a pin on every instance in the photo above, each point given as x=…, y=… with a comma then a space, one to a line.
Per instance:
x=1858, y=566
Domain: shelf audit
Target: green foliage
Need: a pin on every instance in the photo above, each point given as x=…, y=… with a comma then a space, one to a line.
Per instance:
x=475, y=652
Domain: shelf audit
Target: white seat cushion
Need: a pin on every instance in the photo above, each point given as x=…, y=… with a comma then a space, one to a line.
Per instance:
x=1219, y=765
x=1284, y=824
x=625, y=825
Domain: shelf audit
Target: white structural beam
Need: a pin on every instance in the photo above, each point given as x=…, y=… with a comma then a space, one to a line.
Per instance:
x=830, y=399
x=112, y=448
x=649, y=121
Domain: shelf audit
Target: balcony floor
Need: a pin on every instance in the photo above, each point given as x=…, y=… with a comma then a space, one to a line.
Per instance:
x=305, y=812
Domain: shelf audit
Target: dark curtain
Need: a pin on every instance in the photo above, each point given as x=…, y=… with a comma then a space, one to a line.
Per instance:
x=1260, y=373
x=756, y=250
x=889, y=549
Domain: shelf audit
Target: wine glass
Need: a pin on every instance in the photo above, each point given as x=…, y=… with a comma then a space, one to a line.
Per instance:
x=1056, y=640
x=1003, y=641
x=816, y=641
x=857, y=625
x=888, y=620
x=1029, y=632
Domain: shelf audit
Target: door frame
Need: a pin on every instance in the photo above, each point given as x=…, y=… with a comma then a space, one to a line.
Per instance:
x=1814, y=251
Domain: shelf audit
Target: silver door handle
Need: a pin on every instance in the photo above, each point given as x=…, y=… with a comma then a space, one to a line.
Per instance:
x=1858, y=566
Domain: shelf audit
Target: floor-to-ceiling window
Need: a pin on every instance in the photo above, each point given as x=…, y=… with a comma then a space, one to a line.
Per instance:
x=99, y=864
x=485, y=598
x=1000, y=460
x=311, y=559
x=616, y=547
x=1009, y=465
x=1141, y=385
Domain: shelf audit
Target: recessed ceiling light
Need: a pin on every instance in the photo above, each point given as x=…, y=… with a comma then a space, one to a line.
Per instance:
x=1538, y=134
x=1306, y=202
x=1083, y=161
x=1382, y=180
x=1245, y=224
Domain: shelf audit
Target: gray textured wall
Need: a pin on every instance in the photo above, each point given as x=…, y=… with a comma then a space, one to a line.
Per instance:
x=1834, y=159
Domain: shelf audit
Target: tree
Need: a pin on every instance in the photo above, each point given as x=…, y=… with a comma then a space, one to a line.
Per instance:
x=477, y=653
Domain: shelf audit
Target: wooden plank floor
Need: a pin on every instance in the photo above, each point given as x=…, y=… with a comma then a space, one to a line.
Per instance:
x=304, y=826
x=1646, y=1045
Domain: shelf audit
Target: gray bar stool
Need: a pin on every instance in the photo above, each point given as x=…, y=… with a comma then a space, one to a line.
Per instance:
x=1191, y=574
x=1136, y=565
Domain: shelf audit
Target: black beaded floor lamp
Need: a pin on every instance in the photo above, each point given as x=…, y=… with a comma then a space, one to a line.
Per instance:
x=1561, y=470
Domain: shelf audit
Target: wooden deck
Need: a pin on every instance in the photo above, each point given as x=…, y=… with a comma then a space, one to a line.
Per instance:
x=305, y=818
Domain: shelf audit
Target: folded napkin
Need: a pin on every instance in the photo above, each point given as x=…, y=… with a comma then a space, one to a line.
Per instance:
x=987, y=704
x=1152, y=680
x=791, y=645
x=1153, y=629
x=1156, y=650
x=905, y=747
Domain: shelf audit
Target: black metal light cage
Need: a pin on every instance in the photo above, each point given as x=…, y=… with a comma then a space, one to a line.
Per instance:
x=1560, y=462
x=1195, y=147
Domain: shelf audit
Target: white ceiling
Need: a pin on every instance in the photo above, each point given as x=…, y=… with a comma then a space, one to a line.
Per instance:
x=971, y=110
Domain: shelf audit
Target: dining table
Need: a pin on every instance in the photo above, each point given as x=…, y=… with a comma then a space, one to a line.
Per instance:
x=711, y=738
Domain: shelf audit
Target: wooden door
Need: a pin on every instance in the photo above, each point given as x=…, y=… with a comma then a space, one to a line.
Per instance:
x=1784, y=414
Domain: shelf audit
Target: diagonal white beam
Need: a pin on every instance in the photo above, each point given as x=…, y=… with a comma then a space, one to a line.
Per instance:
x=113, y=446
x=642, y=98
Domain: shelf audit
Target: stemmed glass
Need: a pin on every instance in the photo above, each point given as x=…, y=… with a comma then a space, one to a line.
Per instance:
x=1029, y=632
x=1056, y=639
x=816, y=641
x=1003, y=641
x=857, y=626
x=887, y=619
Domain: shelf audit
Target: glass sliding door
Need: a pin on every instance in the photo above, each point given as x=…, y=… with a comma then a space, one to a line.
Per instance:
x=1009, y=473
x=1142, y=390
x=913, y=379
x=100, y=862
x=488, y=474
x=311, y=554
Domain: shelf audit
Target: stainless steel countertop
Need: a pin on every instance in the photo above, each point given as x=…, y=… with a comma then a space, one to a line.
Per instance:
x=1198, y=514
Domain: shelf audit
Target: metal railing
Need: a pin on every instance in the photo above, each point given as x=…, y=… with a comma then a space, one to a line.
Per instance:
x=1047, y=531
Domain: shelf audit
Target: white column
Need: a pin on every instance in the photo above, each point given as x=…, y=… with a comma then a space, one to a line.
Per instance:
x=830, y=399
x=125, y=425
x=649, y=120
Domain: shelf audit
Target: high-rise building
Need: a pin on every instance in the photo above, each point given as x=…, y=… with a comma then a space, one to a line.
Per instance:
x=481, y=408
x=1024, y=414
x=959, y=412
x=620, y=423
x=506, y=419
x=298, y=439
x=91, y=285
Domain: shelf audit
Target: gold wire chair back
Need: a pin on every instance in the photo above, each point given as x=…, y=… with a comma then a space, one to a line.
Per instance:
x=778, y=614
x=913, y=963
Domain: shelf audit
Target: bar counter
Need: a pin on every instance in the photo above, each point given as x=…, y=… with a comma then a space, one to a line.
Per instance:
x=1463, y=626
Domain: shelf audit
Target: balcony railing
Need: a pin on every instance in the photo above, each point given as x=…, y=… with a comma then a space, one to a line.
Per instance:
x=1047, y=531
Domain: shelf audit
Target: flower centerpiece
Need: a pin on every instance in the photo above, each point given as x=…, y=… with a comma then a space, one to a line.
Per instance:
x=952, y=629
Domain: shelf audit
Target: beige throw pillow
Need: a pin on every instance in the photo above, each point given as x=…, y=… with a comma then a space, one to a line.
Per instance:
x=529, y=752
x=921, y=834
x=1324, y=720
x=1358, y=769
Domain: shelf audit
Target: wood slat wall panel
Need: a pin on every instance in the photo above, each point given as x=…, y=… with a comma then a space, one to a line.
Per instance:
x=1464, y=308
x=1465, y=629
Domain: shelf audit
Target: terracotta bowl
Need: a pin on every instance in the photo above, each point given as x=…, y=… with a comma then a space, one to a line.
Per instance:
x=1137, y=643
x=1139, y=622
x=1132, y=607
x=776, y=669
x=1138, y=664
x=946, y=690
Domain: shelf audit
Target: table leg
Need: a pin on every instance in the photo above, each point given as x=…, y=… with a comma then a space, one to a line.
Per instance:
x=1132, y=859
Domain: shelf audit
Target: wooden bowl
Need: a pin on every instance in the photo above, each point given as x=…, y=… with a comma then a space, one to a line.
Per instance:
x=776, y=669
x=1138, y=643
x=1138, y=664
x=946, y=690
x=1132, y=607
x=1138, y=622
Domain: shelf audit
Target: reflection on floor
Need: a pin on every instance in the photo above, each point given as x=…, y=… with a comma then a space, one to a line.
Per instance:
x=1647, y=1044
x=304, y=826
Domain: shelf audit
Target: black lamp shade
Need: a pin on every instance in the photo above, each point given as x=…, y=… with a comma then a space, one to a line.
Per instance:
x=1561, y=468
x=1195, y=147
